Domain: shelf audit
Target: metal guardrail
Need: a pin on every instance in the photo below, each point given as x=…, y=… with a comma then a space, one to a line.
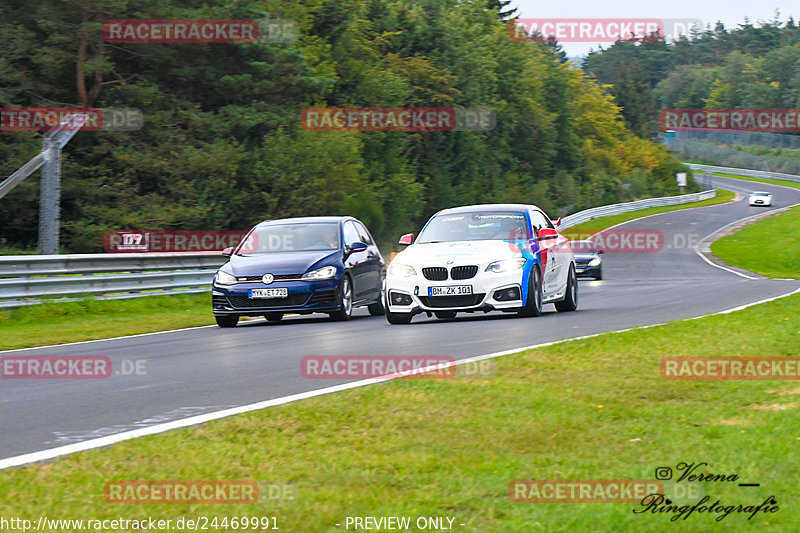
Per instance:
x=746, y=172
x=615, y=209
x=41, y=265
x=24, y=279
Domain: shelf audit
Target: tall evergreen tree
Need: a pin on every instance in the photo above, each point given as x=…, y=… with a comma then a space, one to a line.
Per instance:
x=634, y=95
x=500, y=6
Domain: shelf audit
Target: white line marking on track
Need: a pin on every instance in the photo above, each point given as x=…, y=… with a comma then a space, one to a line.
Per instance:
x=60, y=451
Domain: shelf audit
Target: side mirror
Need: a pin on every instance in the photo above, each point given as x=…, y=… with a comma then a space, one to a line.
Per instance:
x=227, y=252
x=600, y=251
x=558, y=222
x=547, y=233
x=407, y=239
x=356, y=247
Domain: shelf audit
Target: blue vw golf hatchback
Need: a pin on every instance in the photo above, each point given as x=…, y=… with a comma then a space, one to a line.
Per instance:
x=303, y=266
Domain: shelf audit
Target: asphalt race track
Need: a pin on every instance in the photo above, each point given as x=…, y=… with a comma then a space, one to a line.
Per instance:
x=207, y=369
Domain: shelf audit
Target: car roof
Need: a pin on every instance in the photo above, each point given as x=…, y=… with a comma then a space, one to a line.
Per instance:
x=487, y=207
x=303, y=220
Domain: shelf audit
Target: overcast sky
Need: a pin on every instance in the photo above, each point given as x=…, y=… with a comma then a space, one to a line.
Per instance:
x=730, y=12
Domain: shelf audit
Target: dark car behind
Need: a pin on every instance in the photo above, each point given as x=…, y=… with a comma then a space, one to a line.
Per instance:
x=588, y=263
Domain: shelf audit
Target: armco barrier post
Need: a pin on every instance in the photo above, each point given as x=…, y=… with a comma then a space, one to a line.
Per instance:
x=50, y=198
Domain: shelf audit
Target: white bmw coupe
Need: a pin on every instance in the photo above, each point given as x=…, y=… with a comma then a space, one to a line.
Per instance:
x=504, y=257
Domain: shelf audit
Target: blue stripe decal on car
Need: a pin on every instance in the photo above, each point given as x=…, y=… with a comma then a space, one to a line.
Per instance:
x=531, y=254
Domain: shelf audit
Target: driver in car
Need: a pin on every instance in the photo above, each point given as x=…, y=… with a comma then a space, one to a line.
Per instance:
x=332, y=238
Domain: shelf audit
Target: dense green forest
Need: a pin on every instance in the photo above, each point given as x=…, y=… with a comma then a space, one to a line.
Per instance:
x=755, y=66
x=222, y=148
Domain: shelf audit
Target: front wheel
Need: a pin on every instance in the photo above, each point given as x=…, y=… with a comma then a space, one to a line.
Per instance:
x=377, y=308
x=345, y=301
x=533, y=307
x=570, y=301
x=274, y=317
x=228, y=321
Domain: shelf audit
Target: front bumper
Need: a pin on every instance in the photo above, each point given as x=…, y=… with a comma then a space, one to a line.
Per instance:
x=585, y=271
x=484, y=297
x=304, y=297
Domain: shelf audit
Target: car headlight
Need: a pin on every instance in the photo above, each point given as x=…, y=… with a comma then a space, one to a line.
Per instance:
x=595, y=262
x=401, y=270
x=506, y=265
x=223, y=278
x=319, y=274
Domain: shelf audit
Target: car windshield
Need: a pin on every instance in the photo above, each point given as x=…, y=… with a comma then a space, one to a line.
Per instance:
x=760, y=194
x=274, y=238
x=476, y=226
x=583, y=247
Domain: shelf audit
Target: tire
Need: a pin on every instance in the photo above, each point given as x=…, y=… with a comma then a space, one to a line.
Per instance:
x=445, y=314
x=599, y=275
x=377, y=309
x=570, y=301
x=398, y=318
x=273, y=317
x=345, y=300
x=227, y=321
x=533, y=307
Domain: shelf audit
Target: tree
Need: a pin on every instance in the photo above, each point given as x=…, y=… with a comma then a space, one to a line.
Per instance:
x=222, y=121
x=634, y=96
x=501, y=5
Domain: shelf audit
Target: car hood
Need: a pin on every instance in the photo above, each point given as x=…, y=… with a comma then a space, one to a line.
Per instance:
x=460, y=253
x=279, y=263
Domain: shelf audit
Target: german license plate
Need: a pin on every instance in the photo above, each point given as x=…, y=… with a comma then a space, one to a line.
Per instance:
x=455, y=290
x=268, y=293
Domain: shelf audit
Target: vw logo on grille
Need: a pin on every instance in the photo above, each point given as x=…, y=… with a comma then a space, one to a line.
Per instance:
x=268, y=278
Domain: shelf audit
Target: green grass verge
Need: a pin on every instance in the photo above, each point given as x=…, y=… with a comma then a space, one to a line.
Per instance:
x=785, y=183
x=595, y=408
x=591, y=227
x=770, y=247
x=55, y=323
x=763, y=151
